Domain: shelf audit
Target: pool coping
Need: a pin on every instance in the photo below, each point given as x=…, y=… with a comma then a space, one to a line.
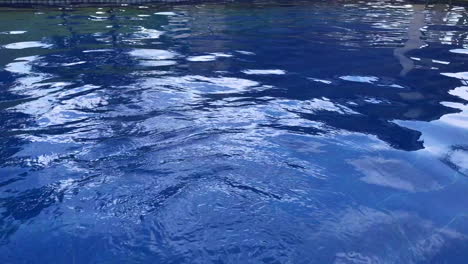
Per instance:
x=91, y=3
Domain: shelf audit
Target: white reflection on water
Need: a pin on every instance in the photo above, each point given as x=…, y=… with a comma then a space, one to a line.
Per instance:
x=27, y=44
x=264, y=72
x=316, y=105
x=361, y=79
x=459, y=119
x=21, y=65
x=166, y=13
x=458, y=75
x=153, y=54
x=97, y=18
x=146, y=33
x=320, y=80
x=196, y=83
x=28, y=81
x=459, y=51
x=18, y=32
x=73, y=63
x=157, y=63
x=461, y=92
x=202, y=58
x=441, y=62
x=97, y=50
x=209, y=57
x=221, y=55
x=243, y=52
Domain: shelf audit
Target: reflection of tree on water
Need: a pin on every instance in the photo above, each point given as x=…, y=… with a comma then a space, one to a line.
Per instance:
x=414, y=39
x=445, y=135
x=418, y=101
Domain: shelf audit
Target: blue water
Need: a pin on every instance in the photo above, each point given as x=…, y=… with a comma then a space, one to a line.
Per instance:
x=266, y=132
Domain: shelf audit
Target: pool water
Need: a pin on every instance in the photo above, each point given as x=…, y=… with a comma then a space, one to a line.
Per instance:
x=250, y=132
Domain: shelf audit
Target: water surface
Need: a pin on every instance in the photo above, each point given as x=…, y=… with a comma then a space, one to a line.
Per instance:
x=265, y=132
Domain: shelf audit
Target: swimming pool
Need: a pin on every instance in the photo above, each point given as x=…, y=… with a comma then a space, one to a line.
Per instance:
x=251, y=132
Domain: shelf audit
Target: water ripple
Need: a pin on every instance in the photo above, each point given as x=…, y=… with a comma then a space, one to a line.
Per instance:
x=234, y=133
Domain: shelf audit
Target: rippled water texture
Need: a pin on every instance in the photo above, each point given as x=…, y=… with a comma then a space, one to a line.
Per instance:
x=287, y=132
